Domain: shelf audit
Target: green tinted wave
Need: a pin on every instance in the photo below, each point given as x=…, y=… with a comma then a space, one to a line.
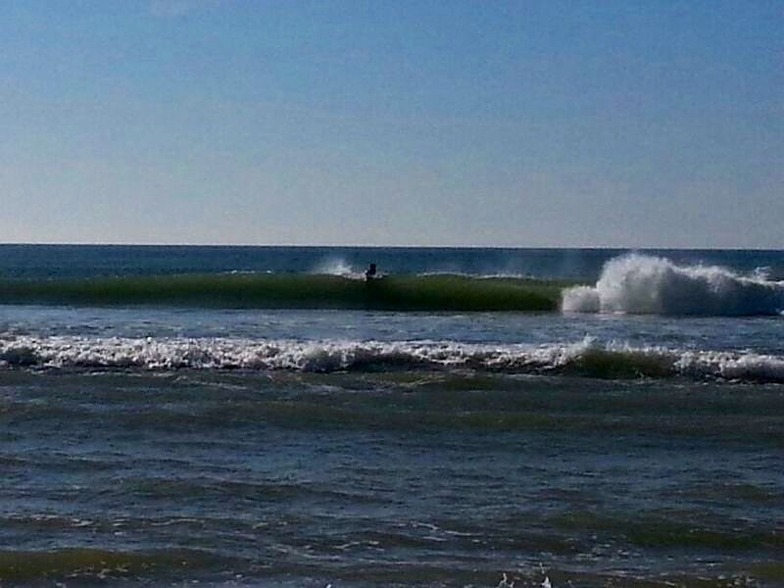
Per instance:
x=441, y=292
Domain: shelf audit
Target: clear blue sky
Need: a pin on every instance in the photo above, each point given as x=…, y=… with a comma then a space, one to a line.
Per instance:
x=528, y=123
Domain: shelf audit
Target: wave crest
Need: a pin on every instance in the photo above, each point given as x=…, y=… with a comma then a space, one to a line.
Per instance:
x=643, y=284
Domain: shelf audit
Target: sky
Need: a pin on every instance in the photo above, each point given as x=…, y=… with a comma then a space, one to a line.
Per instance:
x=527, y=123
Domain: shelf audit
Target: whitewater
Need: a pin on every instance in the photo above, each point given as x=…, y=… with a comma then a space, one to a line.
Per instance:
x=643, y=284
x=587, y=357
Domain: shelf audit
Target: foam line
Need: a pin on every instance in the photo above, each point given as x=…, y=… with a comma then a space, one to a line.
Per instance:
x=586, y=358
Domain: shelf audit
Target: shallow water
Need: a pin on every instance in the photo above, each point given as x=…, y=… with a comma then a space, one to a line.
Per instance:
x=377, y=479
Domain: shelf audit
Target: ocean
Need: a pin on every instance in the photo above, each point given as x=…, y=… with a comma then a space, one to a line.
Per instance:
x=264, y=416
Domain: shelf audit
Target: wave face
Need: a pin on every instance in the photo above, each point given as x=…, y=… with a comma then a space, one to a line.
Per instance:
x=642, y=284
x=586, y=358
x=433, y=293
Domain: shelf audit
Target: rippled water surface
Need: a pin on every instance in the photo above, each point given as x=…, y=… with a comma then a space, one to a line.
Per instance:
x=160, y=445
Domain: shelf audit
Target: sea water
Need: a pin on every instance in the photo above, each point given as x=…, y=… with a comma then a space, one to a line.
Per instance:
x=632, y=436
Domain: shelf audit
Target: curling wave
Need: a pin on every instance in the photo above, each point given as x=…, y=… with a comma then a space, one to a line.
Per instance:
x=587, y=358
x=642, y=284
x=321, y=291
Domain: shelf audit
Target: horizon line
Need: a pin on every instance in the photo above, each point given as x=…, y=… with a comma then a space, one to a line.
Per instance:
x=384, y=246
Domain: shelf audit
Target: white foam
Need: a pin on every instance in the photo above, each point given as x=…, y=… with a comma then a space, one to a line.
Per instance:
x=643, y=284
x=585, y=357
x=732, y=366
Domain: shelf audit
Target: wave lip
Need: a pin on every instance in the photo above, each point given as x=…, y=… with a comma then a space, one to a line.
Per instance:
x=586, y=358
x=643, y=284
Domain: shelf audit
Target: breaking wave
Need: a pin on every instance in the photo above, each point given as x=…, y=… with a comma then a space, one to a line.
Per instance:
x=642, y=284
x=587, y=358
x=334, y=288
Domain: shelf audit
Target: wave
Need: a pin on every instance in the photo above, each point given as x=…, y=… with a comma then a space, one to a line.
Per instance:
x=404, y=293
x=642, y=284
x=586, y=358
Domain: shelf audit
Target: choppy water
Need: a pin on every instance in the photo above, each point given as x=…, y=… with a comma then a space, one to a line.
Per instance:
x=168, y=444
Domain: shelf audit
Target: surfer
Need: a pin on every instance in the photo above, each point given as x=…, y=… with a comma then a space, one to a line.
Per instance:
x=370, y=272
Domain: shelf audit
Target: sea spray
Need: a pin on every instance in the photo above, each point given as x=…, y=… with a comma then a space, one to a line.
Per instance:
x=335, y=266
x=643, y=284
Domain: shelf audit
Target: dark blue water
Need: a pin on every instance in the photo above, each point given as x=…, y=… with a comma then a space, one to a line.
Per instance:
x=80, y=261
x=156, y=445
